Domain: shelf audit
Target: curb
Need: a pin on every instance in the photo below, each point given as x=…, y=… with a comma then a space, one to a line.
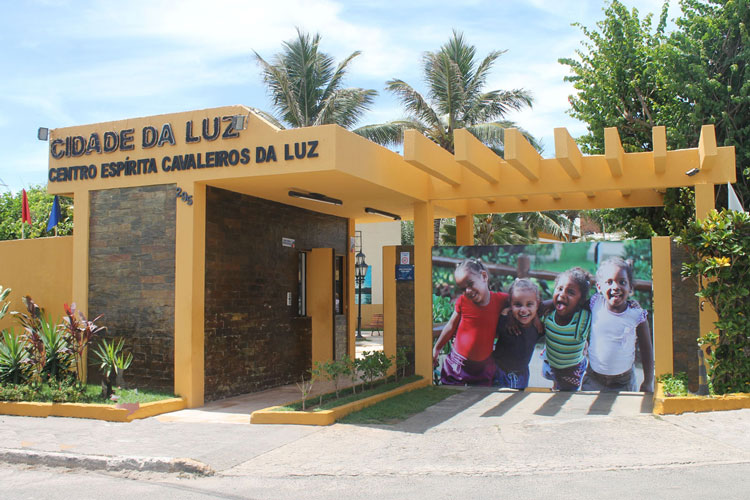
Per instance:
x=103, y=462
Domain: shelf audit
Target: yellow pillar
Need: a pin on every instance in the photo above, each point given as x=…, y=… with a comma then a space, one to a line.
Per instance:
x=389, y=303
x=320, y=302
x=423, y=239
x=81, y=201
x=80, y=285
x=465, y=230
x=704, y=203
x=190, y=271
x=662, y=290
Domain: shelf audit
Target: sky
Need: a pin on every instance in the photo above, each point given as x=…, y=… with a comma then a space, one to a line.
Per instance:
x=77, y=62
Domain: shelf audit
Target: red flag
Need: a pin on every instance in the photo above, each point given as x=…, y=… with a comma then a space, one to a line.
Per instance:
x=25, y=213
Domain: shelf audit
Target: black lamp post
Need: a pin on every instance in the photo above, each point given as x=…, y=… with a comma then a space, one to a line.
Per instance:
x=360, y=270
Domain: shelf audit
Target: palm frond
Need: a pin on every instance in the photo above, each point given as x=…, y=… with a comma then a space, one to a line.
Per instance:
x=493, y=135
x=344, y=107
x=444, y=79
x=389, y=133
x=280, y=90
x=415, y=104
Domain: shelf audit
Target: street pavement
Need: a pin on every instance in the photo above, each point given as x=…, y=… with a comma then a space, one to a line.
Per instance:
x=478, y=436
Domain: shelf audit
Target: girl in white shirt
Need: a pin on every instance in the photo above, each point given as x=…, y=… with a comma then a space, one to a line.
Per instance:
x=617, y=323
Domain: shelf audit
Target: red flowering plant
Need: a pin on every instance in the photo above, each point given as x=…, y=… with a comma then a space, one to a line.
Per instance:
x=80, y=331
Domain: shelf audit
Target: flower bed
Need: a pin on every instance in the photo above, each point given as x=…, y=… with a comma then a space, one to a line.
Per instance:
x=284, y=414
x=676, y=405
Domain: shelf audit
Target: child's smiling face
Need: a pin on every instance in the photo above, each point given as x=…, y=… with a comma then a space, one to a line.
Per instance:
x=473, y=285
x=566, y=297
x=613, y=283
x=524, y=306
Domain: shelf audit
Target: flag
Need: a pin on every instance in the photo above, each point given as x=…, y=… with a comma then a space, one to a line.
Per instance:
x=733, y=201
x=54, y=216
x=25, y=213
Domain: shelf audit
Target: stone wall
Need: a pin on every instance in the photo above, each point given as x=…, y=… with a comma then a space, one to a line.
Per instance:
x=405, y=311
x=253, y=340
x=685, y=320
x=131, y=277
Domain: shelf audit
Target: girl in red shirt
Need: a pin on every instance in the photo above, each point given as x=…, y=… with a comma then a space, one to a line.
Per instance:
x=473, y=323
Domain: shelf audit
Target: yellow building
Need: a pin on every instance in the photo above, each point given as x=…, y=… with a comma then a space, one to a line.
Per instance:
x=220, y=247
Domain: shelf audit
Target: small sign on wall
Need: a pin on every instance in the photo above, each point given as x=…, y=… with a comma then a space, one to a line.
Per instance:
x=287, y=242
x=404, y=272
x=405, y=258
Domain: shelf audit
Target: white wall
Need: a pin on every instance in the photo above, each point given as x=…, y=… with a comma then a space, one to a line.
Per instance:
x=374, y=237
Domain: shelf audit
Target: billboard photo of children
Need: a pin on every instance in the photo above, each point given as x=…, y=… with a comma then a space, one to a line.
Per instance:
x=572, y=316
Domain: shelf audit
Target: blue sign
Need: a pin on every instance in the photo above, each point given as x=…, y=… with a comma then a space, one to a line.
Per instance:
x=404, y=272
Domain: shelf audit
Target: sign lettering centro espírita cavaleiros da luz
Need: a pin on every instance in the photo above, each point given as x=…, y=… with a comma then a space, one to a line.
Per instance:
x=152, y=138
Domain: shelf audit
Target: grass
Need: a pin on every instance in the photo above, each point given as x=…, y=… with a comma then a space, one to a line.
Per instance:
x=399, y=407
x=91, y=394
x=330, y=401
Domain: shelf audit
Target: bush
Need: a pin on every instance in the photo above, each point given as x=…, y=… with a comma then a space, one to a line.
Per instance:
x=719, y=251
x=14, y=358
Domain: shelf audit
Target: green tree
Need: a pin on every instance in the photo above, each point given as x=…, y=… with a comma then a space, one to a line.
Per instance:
x=306, y=89
x=707, y=60
x=633, y=76
x=456, y=98
x=40, y=206
x=620, y=82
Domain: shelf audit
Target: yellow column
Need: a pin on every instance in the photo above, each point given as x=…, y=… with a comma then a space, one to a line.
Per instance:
x=190, y=271
x=704, y=203
x=81, y=201
x=423, y=239
x=662, y=282
x=389, y=303
x=80, y=285
x=465, y=230
x=351, y=291
x=320, y=302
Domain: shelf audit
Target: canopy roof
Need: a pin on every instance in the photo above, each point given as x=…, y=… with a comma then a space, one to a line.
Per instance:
x=340, y=165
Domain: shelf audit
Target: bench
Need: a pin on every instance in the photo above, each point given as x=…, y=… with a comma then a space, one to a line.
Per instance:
x=376, y=323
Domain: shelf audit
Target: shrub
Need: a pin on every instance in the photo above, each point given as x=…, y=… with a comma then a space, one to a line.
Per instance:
x=112, y=362
x=79, y=333
x=14, y=358
x=719, y=251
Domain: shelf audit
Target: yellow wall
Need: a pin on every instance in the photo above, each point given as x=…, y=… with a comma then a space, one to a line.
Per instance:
x=662, y=283
x=40, y=268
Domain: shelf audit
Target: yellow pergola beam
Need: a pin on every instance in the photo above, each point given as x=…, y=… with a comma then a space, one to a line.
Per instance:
x=659, y=140
x=613, y=151
x=596, y=176
x=476, y=157
x=567, y=153
x=522, y=155
x=571, y=201
x=424, y=154
x=707, y=150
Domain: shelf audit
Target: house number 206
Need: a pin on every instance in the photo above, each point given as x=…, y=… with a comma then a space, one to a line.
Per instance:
x=187, y=198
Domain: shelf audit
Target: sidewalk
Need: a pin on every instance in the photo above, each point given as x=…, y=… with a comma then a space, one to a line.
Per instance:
x=476, y=431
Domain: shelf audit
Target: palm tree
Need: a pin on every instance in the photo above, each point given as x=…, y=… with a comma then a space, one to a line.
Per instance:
x=456, y=99
x=305, y=85
x=512, y=228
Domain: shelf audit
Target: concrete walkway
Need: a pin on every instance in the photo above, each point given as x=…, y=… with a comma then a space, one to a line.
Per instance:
x=477, y=431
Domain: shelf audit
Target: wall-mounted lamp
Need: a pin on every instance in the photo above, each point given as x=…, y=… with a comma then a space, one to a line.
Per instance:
x=316, y=197
x=238, y=122
x=382, y=213
x=692, y=172
x=42, y=134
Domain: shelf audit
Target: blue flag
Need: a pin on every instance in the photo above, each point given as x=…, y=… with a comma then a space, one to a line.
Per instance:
x=54, y=216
